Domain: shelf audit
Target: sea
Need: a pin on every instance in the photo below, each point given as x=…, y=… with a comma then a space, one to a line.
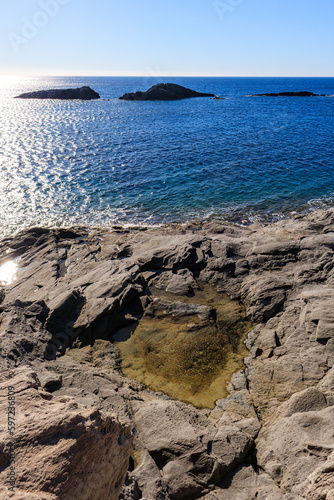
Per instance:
x=111, y=162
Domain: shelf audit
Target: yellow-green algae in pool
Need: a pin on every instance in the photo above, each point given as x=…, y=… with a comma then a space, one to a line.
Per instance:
x=188, y=359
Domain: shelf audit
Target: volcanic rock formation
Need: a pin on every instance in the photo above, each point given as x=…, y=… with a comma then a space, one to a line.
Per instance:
x=301, y=93
x=83, y=93
x=164, y=92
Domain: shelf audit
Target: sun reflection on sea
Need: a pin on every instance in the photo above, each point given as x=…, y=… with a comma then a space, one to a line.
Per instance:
x=11, y=81
x=8, y=273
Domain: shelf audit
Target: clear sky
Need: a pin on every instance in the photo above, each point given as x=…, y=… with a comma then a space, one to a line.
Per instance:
x=167, y=37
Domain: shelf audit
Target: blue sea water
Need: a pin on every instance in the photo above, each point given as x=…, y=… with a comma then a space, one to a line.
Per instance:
x=103, y=162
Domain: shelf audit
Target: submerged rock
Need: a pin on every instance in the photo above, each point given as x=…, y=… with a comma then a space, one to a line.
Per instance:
x=83, y=93
x=164, y=92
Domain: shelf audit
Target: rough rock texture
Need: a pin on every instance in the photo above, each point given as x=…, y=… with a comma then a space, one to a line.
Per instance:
x=164, y=92
x=83, y=93
x=63, y=450
x=271, y=437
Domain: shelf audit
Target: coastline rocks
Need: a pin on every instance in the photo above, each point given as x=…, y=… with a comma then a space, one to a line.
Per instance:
x=164, y=92
x=76, y=290
x=178, y=309
x=302, y=93
x=82, y=93
x=62, y=449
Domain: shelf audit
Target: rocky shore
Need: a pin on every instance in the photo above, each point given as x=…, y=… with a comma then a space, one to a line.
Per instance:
x=84, y=430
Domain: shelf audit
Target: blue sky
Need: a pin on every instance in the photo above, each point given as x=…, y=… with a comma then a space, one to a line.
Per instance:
x=174, y=37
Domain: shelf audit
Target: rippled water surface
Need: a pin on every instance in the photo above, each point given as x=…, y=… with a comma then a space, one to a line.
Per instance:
x=111, y=161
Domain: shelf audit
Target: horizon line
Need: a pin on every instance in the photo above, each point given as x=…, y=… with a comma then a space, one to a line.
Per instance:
x=27, y=75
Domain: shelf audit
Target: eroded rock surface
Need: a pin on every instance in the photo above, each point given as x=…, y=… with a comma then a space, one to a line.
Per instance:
x=78, y=291
x=63, y=449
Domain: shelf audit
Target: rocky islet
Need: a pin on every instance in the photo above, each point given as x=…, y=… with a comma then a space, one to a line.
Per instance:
x=83, y=93
x=271, y=437
x=301, y=93
x=158, y=92
x=164, y=92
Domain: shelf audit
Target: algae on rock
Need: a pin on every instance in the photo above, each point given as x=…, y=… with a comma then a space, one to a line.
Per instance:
x=190, y=357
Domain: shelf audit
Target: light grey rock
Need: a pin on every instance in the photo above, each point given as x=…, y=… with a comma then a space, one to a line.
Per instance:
x=245, y=484
x=314, y=242
x=275, y=248
x=189, y=450
x=311, y=399
x=50, y=381
x=264, y=297
x=179, y=309
x=320, y=483
x=178, y=285
x=291, y=449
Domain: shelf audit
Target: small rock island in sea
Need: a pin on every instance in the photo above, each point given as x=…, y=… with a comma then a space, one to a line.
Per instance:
x=83, y=93
x=302, y=93
x=164, y=92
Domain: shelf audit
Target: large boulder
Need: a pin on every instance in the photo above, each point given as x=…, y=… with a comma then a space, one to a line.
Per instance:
x=164, y=92
x=83, y=93
x=62, y=449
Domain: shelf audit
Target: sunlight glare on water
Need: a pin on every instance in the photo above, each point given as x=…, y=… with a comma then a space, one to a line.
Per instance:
x=105, y=162
x=8, y=273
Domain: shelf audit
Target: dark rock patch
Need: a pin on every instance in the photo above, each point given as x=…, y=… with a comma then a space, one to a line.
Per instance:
x=302, y=93
x=83, y=93
x=164, y=92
